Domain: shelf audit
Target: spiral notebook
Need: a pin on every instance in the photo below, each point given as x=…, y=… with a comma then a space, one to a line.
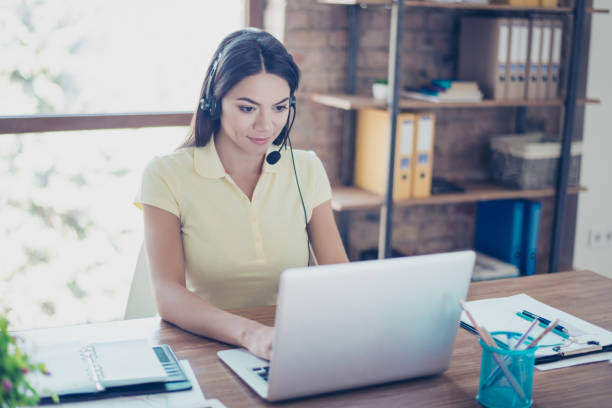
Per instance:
x=93, y=368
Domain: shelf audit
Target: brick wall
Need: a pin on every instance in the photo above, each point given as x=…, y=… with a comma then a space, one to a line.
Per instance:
x=317, y=36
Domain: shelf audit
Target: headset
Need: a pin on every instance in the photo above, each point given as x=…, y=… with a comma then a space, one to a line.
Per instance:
x=210, y=104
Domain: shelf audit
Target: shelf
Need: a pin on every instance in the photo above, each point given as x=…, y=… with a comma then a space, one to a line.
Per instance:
x=463, y=6
x=353, y=198
x=348, y=102
x=452, y=5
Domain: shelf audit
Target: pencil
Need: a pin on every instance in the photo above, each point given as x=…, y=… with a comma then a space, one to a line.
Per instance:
x=488, y=340
x=524, y=336
x=544, y=333
x=492, y=377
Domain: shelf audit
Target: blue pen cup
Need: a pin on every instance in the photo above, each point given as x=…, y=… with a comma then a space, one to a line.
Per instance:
x=496, y=386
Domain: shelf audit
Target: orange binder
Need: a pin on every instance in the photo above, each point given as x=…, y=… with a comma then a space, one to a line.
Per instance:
x=371, y=152
x=423, y=155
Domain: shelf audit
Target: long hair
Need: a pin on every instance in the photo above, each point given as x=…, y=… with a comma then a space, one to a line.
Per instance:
x=241, y=54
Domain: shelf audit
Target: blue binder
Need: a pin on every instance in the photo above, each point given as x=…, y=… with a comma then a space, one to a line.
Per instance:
x=499, y=230
x=531, y=228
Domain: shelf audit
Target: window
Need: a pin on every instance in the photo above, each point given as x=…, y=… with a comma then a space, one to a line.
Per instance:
x=70, y=234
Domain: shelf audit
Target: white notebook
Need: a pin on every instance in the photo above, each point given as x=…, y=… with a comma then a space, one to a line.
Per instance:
x=76, y=369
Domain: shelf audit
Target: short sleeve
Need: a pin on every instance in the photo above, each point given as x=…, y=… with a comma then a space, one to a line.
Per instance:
x=319, y=186
x=156, y=188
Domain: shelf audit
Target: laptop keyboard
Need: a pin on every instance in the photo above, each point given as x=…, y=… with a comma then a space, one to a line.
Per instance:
x=262, y=372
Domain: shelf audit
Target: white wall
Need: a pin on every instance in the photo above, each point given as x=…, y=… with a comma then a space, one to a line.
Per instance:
x=595, y=206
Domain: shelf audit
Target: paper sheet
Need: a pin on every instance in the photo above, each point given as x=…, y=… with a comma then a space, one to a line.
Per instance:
x=193, y=398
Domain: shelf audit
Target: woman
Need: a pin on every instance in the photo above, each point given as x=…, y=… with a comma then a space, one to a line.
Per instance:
x=226, y=213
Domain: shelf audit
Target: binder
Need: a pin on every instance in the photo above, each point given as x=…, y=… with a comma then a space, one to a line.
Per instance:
x=533, y=65
x=518, y=58
x=107, y=369
x=531, y=228
x=545, y=59
x=371, y=152
x=499, y=229
x=423, y=155
x=483, y=54
x=555, y=59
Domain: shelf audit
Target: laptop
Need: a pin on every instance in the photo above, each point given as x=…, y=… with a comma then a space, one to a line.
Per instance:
x=357, y=324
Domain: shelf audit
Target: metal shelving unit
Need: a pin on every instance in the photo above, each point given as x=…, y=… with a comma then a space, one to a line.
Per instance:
x=350, y=197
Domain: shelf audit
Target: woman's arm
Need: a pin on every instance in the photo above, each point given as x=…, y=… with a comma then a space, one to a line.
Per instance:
x=324, y=236
x=178, y=305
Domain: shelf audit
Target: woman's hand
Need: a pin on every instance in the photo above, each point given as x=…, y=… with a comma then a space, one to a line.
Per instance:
x=258, y=340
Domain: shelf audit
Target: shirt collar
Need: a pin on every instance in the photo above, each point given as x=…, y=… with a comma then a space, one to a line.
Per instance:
x=207, y=163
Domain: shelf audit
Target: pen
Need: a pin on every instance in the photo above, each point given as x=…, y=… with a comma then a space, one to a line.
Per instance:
x=555, y=330
x=545, y=321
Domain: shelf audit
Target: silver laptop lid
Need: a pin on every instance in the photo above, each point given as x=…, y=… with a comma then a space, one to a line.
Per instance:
x=362, y=323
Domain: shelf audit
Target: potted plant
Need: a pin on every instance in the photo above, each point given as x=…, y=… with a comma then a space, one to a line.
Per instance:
x=15, y=390
x=379, y=89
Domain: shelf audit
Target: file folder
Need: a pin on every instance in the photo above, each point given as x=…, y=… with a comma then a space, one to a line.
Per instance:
x=499, y=229
x=531, y=228
x=533, y=66
x=371, y=152
x=518, y=58
x=555, y=59
x=483, y=54
x=545, y=59
x=423, y=155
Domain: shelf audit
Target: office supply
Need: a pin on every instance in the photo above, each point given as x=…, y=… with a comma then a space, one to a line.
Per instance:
x=558, y=327
x=484, y=53
x=544, y=325
x=495, y=373
x=499, y=229
x=371, y=152
x=488, y=340
x=517, y=367
x=531, y=229
x=440, y=185
x=193, y=398
x=499, y=314
x=530, y=160
x=422, y=158
x=445, y=91
x=121, y=368
x=547, y=330
x=552, y=91
x=386, y=305
x=533, y=66
x=518, y=58
x=488, y=268
x=545, y=59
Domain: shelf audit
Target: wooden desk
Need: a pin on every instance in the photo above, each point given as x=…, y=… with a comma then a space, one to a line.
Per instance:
x=584, y=294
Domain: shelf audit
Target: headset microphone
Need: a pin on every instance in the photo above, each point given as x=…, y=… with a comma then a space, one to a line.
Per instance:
x=275, y=156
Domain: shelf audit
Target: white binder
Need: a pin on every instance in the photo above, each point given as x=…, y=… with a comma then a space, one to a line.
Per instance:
x=518, y=58
x=533, y=65
x=545, y=60
x=555, y=59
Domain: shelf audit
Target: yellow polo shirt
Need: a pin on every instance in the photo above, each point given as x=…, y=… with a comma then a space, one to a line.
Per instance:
x=236, y=248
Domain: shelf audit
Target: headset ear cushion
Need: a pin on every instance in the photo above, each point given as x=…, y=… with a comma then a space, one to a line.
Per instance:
x=214, y=109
